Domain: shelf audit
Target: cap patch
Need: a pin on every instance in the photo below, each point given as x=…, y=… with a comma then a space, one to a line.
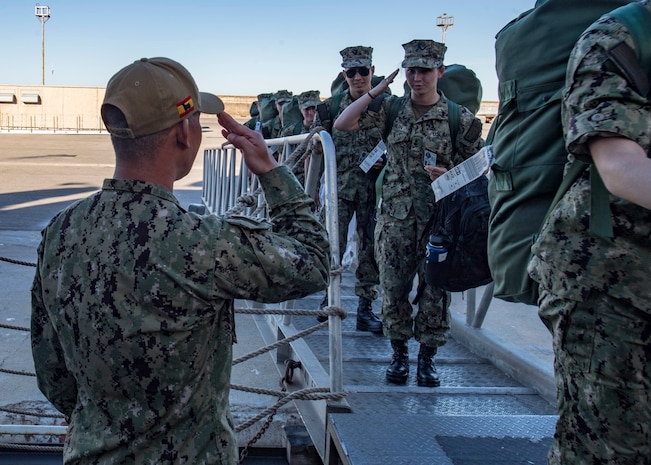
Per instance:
x=185, y=106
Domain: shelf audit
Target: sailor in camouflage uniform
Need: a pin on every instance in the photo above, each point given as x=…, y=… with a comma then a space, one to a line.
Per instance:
x=595, y=292
x=132, y=301
x=408, y=203
x=271, y=129
x=356, y=188
x=307, y=102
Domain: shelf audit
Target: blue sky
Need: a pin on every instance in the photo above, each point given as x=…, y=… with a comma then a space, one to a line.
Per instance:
x=242, y=47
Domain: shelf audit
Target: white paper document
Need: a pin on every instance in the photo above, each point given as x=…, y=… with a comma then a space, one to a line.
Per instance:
x=463, y=173
x=372, y=157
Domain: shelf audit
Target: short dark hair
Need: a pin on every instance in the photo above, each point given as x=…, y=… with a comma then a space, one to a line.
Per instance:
x=132, y=148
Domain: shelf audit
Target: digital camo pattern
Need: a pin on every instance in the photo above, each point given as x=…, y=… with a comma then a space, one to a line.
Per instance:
x=596, y=292
x=399, y=255
x=272, y=129
x=309, y=98
x=132, y=315
x=601, y=365
x=283, y=96
x=407, y=204
x=352, y=147
x=356, y=189
x=423, y=54
x=356, y=56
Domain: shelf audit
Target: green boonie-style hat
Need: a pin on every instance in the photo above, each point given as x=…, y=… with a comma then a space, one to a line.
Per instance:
x=309, y=98
x=356, y=56
x=283, y=96
x=154, y=94
x=423, y=54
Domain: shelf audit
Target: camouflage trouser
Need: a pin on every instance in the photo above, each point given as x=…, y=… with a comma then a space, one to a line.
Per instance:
x=399, y=253
x=603, y=378
x=366, y=274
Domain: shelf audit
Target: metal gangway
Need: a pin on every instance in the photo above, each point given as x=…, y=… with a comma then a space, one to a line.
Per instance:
x=229, y=187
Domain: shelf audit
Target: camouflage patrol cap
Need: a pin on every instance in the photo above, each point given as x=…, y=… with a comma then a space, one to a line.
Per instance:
x=423, y=54
x=356, y=56
x=283, y=96
x=154, y=94
x=309, y=98
x=265, y=96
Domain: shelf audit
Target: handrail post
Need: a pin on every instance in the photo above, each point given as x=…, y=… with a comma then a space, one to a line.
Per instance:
x=334, y=287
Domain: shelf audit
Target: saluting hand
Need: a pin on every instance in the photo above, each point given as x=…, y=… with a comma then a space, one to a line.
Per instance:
x=250, y=143
x=383, y=85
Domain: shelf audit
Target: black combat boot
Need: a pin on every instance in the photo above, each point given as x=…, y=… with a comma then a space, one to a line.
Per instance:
x=426, y=374
x=366, y=319
x=398, y=370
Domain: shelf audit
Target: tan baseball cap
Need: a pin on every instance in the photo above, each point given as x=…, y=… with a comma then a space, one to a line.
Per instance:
x=154, y=94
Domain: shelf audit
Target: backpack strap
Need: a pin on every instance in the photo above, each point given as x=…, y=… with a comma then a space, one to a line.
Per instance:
x=324, y=115
x=601, y=223
x=376, y=103
x=334, y=105
x=636, y=67
x=454, y=120
x=626, y=61
x=328, y=115
x=394, y=109
x=637, y=20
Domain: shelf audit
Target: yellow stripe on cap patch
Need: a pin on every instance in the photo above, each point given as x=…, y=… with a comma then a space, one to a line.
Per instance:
x=185, y=106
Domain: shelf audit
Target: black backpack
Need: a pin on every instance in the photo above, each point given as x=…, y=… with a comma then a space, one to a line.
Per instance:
x=460, y=224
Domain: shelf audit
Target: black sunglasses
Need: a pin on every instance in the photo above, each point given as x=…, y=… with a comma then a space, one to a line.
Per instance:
x=362, y=70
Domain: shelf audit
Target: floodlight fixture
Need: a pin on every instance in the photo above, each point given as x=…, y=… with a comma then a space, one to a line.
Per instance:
x=444, y=22
x=42, y=13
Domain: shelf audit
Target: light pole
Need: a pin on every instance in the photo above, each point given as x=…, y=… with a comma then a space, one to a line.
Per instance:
x=444, y=22
x=43, y=14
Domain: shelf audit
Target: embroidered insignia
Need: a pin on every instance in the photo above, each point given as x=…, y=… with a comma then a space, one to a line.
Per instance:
x=185, y=106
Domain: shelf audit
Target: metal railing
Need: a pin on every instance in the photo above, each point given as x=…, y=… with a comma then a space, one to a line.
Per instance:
x=228, y=186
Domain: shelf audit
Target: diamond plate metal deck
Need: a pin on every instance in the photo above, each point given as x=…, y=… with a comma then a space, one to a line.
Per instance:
x=409, y=424
x=401, y=439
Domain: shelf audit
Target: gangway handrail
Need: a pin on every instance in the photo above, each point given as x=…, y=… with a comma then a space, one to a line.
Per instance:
x=227, y=182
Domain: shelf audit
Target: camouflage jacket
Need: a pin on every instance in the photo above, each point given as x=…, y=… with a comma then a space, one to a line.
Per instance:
x=294, y=129
x=568, y=259
x=352, y=147
x=133, y=315
x=271, y=129
x=406, y=184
